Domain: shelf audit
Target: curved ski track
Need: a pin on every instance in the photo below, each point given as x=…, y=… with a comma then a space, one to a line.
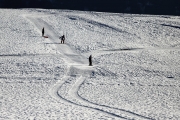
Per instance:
x=78, y=69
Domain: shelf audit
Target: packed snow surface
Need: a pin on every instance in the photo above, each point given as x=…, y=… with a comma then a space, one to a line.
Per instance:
x=135, y=73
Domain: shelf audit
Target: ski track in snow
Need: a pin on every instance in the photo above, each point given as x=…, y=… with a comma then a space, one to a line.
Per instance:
x=77, y=68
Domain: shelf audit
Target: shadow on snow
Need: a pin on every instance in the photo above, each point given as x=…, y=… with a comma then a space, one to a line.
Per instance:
x=178, y=27
x=124, y=49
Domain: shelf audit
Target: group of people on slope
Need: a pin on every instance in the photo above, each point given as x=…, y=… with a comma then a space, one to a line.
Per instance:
x=62, y=37
x=62, y=42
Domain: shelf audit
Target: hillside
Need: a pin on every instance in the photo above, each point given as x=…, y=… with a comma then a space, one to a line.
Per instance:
x=135, y=72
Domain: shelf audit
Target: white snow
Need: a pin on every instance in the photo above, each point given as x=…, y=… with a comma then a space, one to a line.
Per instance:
x=135, y=72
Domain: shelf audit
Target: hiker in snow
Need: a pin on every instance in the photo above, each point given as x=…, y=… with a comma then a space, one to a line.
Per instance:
x=43, y=31
x=62, y=39
x=90, y=60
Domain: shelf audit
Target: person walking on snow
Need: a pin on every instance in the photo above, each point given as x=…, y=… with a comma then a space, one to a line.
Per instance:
x=43, y=31
x=62, y=39
x=90, y=60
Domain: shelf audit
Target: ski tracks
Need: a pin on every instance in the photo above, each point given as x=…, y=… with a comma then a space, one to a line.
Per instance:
x=78, y=70
x=73, y=97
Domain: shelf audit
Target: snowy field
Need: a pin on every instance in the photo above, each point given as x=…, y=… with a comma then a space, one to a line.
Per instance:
x=135, y=73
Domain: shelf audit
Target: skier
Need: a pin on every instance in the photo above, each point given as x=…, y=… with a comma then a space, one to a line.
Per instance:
x=43, y=31
x=90, y=60
x=62, y=39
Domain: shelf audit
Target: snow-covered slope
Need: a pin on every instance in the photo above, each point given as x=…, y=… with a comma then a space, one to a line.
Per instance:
x=135, y=72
